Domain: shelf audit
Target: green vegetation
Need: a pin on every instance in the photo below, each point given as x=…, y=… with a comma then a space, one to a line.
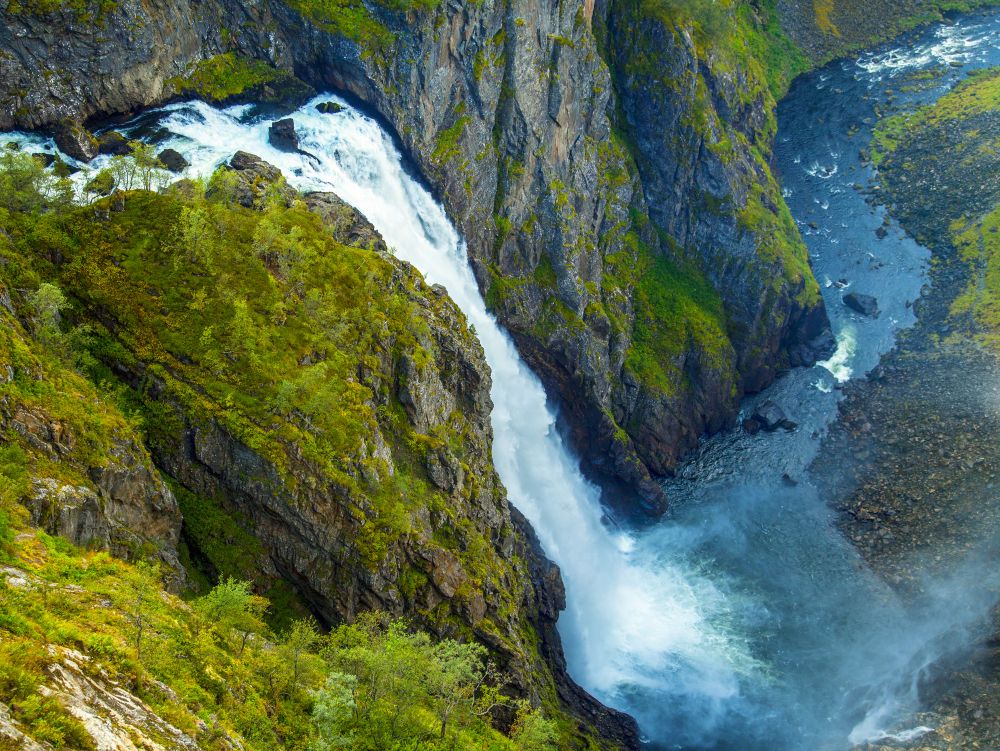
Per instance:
x=258, y=321
x=976, y=95
x=779, y=241
x=261, y=322
x=979, y=244
x=85, y=11
x=677, y=315
x=778, y=56
x=214, y=670
x=354, y=20
x=950, y=149
x=447, y=147
x=222, y=77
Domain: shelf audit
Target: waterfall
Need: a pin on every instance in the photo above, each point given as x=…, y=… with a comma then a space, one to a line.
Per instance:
x=629, y=624
x=744, y=621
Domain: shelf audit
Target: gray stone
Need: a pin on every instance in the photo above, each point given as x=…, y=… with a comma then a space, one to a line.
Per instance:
x=282, y=135
x=173, y=160
x=76, y=141
x=864, y=304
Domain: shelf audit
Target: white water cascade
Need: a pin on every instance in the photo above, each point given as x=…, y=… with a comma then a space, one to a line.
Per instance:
x=632, y=623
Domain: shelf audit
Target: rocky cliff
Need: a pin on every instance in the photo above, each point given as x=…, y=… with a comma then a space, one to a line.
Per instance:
x=323, y=414
x=627, y=243
x=83, y=471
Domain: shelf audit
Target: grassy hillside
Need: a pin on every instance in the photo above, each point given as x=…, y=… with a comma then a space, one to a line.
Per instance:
x=941, y=166
x=212, y=670
x=259, y=321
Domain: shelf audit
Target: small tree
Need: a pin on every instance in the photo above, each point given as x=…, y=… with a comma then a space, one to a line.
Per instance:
x=297, y=646
x=232, y=606
x=150, y=172
x=124, y=172
x=195, y=235
x=101, y=184
x=457, y=671
x=333, y=713
x=532, y=732
x=141, y=592
x=48, y=302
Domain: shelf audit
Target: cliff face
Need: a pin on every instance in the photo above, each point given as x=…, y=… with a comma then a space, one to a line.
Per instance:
x=83, y=471
x=648, y=298
x=323, y=413
x=632, y=267
x=701, y=116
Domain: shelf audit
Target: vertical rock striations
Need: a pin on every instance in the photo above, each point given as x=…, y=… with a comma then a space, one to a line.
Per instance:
x=622, y=223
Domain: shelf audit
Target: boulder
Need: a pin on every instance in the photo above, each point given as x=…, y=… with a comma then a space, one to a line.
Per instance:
x=255, y=180
x=346, y=223
x=62, y=169
x=173, y=160
x=46, y=160
x=282, y=135
x=76, y=141
x=114, y=144
x=768, y=416
x=864, y=304
x=329, y=108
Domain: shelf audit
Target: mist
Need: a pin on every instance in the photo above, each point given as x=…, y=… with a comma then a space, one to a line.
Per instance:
x=830, y=655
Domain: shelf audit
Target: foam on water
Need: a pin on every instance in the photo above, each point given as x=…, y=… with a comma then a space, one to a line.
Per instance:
x=733, y=624
x=950, y=45
x=839, y=364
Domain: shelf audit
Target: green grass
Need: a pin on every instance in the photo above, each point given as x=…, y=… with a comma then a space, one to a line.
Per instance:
x=261, y=323
x=85, y=11
x=979, y=244
x=224, y=76
x=354, y=20
x=977, y=94
x=677, y=315
x=217, y=673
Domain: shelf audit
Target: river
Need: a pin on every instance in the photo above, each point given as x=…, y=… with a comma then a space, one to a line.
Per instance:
x=742, y=620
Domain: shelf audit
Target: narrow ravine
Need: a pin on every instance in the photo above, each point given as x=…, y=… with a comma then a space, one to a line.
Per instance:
x=743, y=620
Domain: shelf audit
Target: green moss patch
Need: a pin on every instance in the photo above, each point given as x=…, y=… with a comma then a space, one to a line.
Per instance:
x=226, y=77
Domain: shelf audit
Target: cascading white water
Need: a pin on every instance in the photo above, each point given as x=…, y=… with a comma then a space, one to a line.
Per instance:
x=630, y=623
x=744, y=620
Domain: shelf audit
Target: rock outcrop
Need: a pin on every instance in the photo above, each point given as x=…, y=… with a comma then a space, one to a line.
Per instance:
x=382, y=497
x=112, y=497
x=505, y=109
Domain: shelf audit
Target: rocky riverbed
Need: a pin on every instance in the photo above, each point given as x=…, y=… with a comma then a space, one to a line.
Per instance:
x=913, y=463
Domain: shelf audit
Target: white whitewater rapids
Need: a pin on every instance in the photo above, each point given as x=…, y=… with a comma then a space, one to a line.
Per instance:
x=631, y=622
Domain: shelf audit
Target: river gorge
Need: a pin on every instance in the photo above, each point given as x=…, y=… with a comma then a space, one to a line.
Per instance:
x=744, y=618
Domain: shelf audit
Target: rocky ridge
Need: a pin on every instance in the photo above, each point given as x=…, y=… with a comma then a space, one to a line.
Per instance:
x=408, y=518
x=92, y=479
x=508, y=110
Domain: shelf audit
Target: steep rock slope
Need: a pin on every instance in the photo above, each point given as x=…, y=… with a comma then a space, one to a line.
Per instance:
x=323, y=412
x=74, y=460
x=648, y=331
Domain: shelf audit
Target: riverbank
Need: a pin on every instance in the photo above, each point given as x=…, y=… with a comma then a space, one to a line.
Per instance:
x=914, y=460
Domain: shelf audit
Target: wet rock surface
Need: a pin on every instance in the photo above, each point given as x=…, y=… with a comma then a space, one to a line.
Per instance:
x=173, y=160
x=281, y=135
x=866, y=305
x=545, y=209
x=76, y=141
